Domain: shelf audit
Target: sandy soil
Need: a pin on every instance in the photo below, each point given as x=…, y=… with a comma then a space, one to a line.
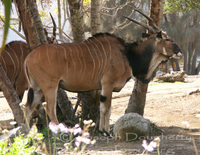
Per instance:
x=168, y=106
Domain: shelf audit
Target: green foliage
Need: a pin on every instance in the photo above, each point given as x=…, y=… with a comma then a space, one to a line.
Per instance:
x=22, y=144
x=19, y=146
x=7, y=4
x=172, y=6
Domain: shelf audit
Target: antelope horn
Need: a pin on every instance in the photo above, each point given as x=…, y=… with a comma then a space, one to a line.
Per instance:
x=150, y=19
x=140, y=23
x=54, y=25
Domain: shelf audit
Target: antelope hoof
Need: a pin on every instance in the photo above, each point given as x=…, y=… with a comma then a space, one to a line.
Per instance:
x=105, y=133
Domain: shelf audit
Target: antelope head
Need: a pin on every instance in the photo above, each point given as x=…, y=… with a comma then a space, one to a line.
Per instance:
x=167, y=47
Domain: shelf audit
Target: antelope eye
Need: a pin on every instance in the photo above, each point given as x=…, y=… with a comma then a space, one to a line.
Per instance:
x=167, y=39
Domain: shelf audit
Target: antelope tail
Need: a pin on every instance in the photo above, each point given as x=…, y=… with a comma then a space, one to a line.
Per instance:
x=30, y=91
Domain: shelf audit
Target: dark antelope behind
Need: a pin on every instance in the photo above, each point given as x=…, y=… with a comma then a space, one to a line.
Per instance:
x=103, y=62
x=13, y=58
x=12, y=61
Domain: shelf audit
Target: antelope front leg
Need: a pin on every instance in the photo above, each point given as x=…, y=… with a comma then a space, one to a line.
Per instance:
x=105, y=111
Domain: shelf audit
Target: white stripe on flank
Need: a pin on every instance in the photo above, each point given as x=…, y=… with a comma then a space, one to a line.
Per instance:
x=47, y=50
x=17, y=65
x=13, y=76
x=101, y=58
x=66, y=64
x=92, y=59
x=98, y=59
x=82, y=67
x=4, y=63
x=60, y=70
x=109, y=46
x=106, y=59
x=71, y=53
x=22, y=55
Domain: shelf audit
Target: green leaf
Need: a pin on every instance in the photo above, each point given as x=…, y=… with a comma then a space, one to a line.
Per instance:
x=7, y=9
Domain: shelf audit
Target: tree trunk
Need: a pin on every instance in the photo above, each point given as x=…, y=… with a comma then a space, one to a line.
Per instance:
x=76, y=19
x=59, y=20
x=198, y=69
x=35, y=36
x=175, y=64
x=95, y=16
x=31, y=22
x=138, y=97
x=193, y=62
x=156, y=12
x=11, y=96
x=65, y=106
x=90, y=101
x=190, y=59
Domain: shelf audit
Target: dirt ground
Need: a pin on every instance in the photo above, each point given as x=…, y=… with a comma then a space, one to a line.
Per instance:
x=168, y=106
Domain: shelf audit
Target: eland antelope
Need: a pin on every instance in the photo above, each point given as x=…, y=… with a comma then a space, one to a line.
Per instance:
x=12, y=61
x=13, y=58
x=103, y=62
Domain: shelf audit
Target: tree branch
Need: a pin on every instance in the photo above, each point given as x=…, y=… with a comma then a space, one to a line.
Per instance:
x=19, y=34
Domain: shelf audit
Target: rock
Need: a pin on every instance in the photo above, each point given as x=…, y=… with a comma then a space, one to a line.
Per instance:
x=173, y=77
x=9, y=134
x=193, y=91
x=131, y=126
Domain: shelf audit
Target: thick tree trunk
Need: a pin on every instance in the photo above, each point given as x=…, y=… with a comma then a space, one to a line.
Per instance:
x=90, y=102
x=138, y=98
x=190, y=59
x=65, y=106
x=31, y=22
x=76, y=18
x=35, y=36
x=156, y=12
x=11, y=96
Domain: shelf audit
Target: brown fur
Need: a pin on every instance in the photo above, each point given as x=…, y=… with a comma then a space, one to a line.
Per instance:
x=12, y=61
x=103, y=62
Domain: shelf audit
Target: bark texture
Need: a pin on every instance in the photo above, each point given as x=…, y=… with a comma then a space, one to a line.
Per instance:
x=31, y=22
x=138, y=97
x=95, y=16
x=156, y=12
x=11, y=96
x=76, y=18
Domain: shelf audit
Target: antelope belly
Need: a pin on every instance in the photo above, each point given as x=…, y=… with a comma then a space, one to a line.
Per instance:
x=78, y=86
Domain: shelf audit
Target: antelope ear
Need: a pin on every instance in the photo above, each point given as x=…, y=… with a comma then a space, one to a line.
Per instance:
x=159, y=35
x=145, y=35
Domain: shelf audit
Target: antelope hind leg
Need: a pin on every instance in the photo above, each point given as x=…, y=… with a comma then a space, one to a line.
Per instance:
x=50, y=98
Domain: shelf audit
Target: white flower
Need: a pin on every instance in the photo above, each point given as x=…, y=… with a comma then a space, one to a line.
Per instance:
x=149, y=147
x=53, y=127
